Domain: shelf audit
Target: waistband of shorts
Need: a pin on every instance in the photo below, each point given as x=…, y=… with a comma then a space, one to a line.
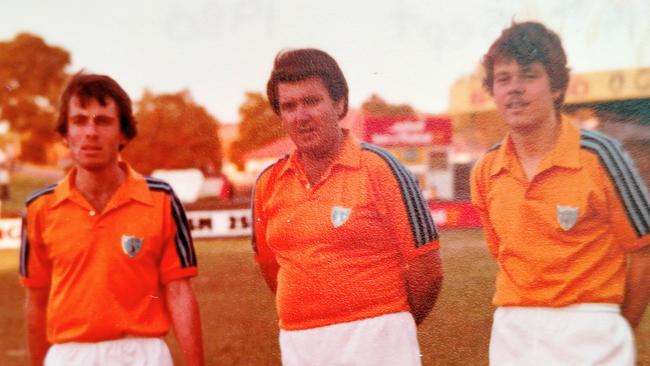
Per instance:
x=403, y=315
x=125, y=339
x=581, y=307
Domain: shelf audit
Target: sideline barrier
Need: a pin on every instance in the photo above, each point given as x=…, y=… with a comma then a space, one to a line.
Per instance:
x=9, y=233
x=454, y=215
x=230, y=223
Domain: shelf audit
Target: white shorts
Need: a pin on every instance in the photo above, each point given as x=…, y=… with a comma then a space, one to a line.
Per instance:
x=384, y=340
x=581, y=334
x=119, y=352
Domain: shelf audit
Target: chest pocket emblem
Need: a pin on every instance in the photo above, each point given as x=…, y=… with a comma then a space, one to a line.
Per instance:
x=339, y=215
x=567, y=216
x=131, y=245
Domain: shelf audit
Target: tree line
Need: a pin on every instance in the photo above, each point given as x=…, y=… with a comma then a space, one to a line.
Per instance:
x=175, y=132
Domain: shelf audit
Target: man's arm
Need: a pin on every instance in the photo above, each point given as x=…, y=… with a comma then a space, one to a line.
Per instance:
x=264, y=256
x=270, y=273
x=423, y=283
x=186, y=321
x=637, y=286
x=35, y=317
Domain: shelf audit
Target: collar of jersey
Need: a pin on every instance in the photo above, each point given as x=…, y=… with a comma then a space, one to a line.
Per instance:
x=134, y=187
x=349, y=156
x=565, y=153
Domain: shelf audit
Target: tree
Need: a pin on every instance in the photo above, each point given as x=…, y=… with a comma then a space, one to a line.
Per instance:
x=174, y=133
x=258, y=125
x=32, y=75
x=376, y=106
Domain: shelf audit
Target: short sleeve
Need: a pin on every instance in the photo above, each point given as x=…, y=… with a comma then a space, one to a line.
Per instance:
x=627, y=198
x=34, y=266
x=478, y=188
x=178, y=257
x=398, y=196
x=263, y=254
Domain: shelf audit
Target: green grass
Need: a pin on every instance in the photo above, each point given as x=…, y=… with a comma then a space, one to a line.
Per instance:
x=240, y=325
x=21, y=185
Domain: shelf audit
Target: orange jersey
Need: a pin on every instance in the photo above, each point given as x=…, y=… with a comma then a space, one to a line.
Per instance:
x=562, y=238
x=341, y=246
x=106, y=271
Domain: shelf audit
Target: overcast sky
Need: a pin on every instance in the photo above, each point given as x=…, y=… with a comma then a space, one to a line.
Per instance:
x=407, y=51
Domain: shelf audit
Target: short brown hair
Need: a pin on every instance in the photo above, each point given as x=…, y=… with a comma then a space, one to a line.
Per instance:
x=304, y=63
x=99, y=87
x=527, y=43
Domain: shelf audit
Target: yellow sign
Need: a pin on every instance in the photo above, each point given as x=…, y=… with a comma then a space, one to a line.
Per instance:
x=469, y=96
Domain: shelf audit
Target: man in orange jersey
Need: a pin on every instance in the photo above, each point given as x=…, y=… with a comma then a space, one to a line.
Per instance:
x=565, y=215
x=106, y=254
x=342, y=234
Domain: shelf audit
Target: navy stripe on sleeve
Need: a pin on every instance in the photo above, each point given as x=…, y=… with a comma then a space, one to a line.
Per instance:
x=622, y=172
x=41, y=192
x=24, y=240
x=183, y=241
x=24, y=248
x=421, y=222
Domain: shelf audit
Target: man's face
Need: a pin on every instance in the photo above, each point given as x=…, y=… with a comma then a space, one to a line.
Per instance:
x=94, y=135
x=309, y=115
x=523, y=95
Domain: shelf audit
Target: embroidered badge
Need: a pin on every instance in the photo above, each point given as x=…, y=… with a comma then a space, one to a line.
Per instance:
x=567, y=216
x=131, y=245
x=339, y=215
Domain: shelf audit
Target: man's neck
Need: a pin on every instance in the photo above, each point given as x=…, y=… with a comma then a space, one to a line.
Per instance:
x=316, y=164
x=532, y=145
x=98, y=186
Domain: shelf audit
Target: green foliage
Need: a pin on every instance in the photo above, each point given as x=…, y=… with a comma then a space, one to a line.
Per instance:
x=258, y=125
x=174, y=133
x=376, y=106
x=32, y=75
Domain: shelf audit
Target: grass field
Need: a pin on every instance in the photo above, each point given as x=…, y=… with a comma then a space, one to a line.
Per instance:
x=21, y=186
x=239, y=322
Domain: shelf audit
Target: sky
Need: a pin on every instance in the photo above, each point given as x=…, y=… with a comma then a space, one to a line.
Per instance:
x=406, y=51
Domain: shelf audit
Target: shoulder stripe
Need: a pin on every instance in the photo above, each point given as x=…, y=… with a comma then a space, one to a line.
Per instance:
x=421, y=222
x=184, y=243
x=621, y=170
x=24, y=248
x=253, y=236
x=23, y=264
x=41, y=192
x=494, y=147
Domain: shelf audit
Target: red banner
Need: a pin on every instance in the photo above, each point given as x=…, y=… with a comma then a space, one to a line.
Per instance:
x=451, y=214
x=406, y=131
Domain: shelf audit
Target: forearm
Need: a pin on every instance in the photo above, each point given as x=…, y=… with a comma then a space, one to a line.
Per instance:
x=423, y=277
x=637, y=289
x=186, y=321
x=35, y=315
x=270, y=274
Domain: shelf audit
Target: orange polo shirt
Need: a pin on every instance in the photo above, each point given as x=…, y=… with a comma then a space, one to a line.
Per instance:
x=341, y=245
x=106, y=270
x=562, y=238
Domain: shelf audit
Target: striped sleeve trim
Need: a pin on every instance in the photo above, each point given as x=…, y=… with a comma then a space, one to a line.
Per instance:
x=41, y=192
x=494, y=147
x=253, y=236
x=24, y=249
x=621, y=170
x=183, y=241
x=24, y=240
x=420, y=220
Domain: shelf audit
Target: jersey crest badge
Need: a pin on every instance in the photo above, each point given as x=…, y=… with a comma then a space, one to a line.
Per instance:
x=567, y=216
x=339, y=215
x=131, y=245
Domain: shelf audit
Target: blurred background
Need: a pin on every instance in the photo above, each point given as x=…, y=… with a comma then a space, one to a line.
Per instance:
x=196, y=72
